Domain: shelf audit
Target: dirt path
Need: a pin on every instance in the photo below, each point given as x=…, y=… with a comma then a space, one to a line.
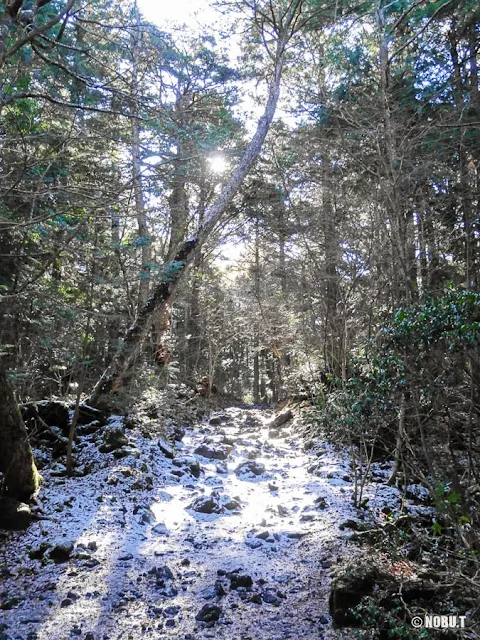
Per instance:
x=155, y=548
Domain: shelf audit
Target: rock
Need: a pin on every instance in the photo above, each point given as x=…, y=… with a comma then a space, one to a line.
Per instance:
x=160, y=530
x=185, y=562
x=208, y=593
x=89, y=636
x=230, y=440
x=280, y=419
x=221, y=468
x=263, y=535
x=219, y=590
x=282, y=511
x=206, y=504
x=273, y=434
x=163, y=573
x=39, y=552
x=14, y=515
x=88, y=429
x=87, y=414
x=62, y=551
x=252, y=467
x=240, y=580
x=125, y=557
x=346, y=592
x=169, y=591
x=349, y=524
x=272, y=487
x=209, y=613
x=188, y=463
x=178, y=433
x=254, y=544
x=113, y=438
x=220, y=452
x=296, y=535
x=172, y=611
x=256, y=598
x=53, y=413
x=66, y=602
x=271, y=598
x=123, y=452
x=225, y=501
x=166, y=448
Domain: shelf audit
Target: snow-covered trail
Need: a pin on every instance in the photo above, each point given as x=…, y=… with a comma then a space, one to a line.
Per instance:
x=242, y=551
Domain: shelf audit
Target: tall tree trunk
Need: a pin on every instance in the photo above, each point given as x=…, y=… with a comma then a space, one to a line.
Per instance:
x=463, y=169
x=21, y=477
x=400, y=222
x=256, y=339
x=138, y=187
x=174, y=271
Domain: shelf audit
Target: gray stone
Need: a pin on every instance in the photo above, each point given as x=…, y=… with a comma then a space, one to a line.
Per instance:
x=160, y=530
x=263, y=535
x=280, y=419
x=209, y=613
x=271, y=598
x=206, y=504
x=219, y=452
x=189, y=463
x=113, y=438
x=166, y=448
x=252, y=467
x=254, y=544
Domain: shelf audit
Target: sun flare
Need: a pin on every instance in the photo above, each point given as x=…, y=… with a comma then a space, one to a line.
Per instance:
x=218, y=164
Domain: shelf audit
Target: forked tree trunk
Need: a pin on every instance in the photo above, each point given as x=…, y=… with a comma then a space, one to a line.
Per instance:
x=21, y=477
x=174, y=271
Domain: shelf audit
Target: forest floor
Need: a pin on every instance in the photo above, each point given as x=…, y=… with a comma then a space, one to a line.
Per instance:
x=139, y=547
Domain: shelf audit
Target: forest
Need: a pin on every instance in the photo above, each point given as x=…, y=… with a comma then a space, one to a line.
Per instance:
x=240, y=320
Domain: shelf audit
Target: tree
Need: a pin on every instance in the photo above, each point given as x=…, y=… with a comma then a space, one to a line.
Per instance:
x=277, y=25
x=21, y=478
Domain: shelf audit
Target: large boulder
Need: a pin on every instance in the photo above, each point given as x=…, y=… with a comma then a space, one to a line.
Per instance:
x=113, y=438
x=250, y=469
x=206, y=504
x=355, y=581
x=347, y=590
x=14, y=515
x=280, y=419
x=214, y=452
x=51, y=412
x=87, y=414
x=166, y=448
x=209, y=613
x=188, y=463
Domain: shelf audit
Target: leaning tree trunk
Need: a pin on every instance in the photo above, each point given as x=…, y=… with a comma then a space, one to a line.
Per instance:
x=21, y=477
x=157, y=303
x=174, y=271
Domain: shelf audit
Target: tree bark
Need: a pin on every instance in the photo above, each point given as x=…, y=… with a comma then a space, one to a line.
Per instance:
x=21, y=477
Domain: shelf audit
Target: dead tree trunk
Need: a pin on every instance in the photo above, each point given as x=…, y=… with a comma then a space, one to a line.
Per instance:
x=21, y=477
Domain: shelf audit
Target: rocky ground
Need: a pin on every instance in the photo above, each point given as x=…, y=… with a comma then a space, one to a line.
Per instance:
x=230, y=532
